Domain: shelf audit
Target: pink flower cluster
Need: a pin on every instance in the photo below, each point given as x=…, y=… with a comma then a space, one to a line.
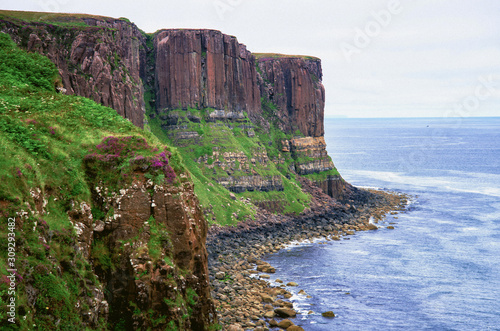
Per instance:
x=160, y=162
x=31, y=121
x=115, y=151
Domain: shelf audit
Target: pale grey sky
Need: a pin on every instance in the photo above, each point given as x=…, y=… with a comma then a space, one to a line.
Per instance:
x=390, y=58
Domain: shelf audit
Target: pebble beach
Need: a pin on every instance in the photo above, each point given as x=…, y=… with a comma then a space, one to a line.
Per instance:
x=243, y=296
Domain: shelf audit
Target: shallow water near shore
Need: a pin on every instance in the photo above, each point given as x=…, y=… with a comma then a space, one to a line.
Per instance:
x=439, y=268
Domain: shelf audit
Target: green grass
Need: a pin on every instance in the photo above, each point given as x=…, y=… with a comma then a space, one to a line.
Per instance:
x=159, y=241
x=44, y=140
x=260, y=56
x=230, y=137
x=291, y=200
x=320, y=176
x=59, y=19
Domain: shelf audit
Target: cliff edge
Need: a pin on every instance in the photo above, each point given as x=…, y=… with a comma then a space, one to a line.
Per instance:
x=116, y=239
x=108, y=231
x=100, y=58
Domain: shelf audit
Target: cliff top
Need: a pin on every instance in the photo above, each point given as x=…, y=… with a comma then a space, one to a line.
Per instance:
x=196, y=30
x=55, y=18
x=268, y=56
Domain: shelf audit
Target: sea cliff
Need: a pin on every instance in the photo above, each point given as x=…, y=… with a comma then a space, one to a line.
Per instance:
x=115, y=237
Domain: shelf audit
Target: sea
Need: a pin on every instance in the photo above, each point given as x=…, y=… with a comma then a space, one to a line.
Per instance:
x=439, y=268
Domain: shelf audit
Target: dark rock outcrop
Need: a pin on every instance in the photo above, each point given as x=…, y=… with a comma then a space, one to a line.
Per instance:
x=334, y=186
x=100, y=58
x=294, y=85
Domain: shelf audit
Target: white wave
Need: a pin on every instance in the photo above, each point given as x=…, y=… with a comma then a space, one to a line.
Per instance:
x=348, y=153
x=470, y=229
x=490, y=216
x=378, y=188
x=359, y=252
x=486, y=184
x=313, y=277
x=482, y=175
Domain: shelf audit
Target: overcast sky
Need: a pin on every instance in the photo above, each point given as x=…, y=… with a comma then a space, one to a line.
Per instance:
x=406, y=58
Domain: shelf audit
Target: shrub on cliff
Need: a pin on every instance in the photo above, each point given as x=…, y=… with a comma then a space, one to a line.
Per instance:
x=116, y=159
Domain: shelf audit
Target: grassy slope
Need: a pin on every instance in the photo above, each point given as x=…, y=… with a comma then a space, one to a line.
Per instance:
x=229, y=137
x=60, y=19
x=44, y=137
x=275, y=136
x=213, y=197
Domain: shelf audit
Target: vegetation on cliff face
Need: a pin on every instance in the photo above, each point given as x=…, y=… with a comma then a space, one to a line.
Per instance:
x=225, y=156
x=84, y=184
x=56, y=150
x=229, y=164
x=59, y=19
x=97, y=57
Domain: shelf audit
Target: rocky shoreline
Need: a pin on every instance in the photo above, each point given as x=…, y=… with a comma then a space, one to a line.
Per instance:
x=244, y=298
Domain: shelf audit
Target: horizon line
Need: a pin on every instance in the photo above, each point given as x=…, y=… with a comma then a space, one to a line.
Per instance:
x=405, y=117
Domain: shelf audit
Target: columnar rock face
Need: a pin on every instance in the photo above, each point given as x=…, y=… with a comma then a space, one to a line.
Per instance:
x=294, y=85
x=292, y=91
x=204, y=69
x=101, y=58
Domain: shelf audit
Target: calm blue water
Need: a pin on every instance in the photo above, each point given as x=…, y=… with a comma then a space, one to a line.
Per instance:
x=440, y=268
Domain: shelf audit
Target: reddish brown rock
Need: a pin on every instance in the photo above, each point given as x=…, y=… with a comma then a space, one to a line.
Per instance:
x=314, y=148
x=204, y=69
x=285, y=324
x=334, y=186
x=148, y=272
x=285, y=312
x=294, y=85
x=101, y=61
